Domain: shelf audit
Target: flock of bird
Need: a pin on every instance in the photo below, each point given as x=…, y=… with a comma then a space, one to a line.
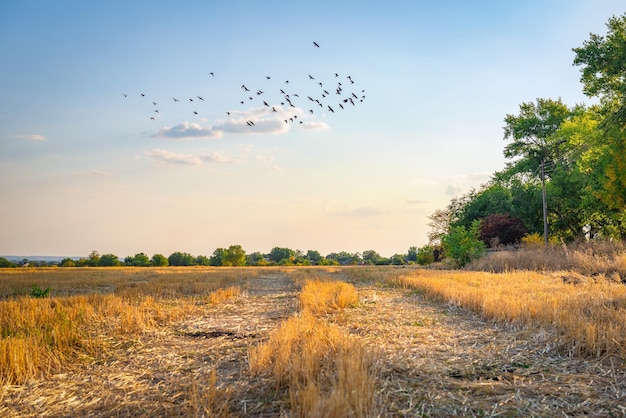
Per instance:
x=322, y=96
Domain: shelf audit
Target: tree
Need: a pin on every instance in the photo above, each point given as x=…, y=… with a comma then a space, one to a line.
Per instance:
x=411, y=255
x=138, y=260
x=314, y=257
x=345, y=258
x=6, y=263
x=109, y=260
x=93, y=260
x=371, y=257
x=603, y=73
x=501, y=229
x=234, y=256
x=217, y=258
x=67, y=262
x=603, y=65
x=425, y=255
x=463, y=245
x=284, y=255
x=533, y=139
x=439, y=225
x=255, y=259
x=159, y=260
x=181, y=259
x=203, y=260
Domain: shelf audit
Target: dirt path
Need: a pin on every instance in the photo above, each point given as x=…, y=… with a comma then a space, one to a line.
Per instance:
x=435, y=360
x=440, y=360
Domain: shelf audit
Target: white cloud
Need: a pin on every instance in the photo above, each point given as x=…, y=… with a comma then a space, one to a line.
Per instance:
x=188, y=130
x=32, y=137
x=167, y=158
x=315, y=126
x=273, y=169
x=272, y=119
x=218, y=157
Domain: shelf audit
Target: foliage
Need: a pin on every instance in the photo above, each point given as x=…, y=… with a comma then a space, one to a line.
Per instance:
x=138, y=260
x=202, y=260
x=411, y=254
x=255, y=259
x=67, y=262
x=603, y=73
x=159, y=260
x=425, y=255
x=109, y=260
x=314, y=257
x=181, y=259
x=38, y=292
x=371, y=257
x=217, y=258
x=6, y=263
x=501, y=229
x=345, y=258
x=463, y=245
x=234, y=256
x=284, y=255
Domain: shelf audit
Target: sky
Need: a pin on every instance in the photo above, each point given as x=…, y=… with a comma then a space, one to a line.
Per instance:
x=87, y=163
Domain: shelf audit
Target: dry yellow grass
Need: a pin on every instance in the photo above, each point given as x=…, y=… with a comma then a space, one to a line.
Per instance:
x=41, y=335
x=222, y=295
x=327, y=373
x=589, y=316
x=407, y=348
x=321, y=297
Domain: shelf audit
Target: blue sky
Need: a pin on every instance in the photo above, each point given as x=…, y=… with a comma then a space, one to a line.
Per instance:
x=84, y=168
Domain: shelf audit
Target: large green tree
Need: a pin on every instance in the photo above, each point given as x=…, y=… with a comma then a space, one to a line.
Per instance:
x=603, y=73
x=235, y=255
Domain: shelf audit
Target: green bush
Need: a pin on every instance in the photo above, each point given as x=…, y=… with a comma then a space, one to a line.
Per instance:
x=463, y=245
x=425, y=255
x=38, y=292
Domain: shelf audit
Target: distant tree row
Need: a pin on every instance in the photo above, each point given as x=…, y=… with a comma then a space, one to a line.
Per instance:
x=233, y=256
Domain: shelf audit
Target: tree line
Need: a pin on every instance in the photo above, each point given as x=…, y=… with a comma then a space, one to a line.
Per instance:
x=233, y=256
x=572, y=157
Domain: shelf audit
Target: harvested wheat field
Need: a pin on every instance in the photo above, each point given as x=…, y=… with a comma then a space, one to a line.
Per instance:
x=310, y=342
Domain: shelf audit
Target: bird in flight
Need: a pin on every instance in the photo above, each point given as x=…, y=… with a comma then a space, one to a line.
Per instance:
x=212, y=75
x=316, y=44
x=200, y=98
x=125, y=95
x=175, y=99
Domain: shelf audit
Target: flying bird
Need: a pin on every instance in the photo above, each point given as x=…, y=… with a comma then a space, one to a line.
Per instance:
x=175, y=99
x=212, y=75
x=200, y=98
x=125, y=95
x=315, y=43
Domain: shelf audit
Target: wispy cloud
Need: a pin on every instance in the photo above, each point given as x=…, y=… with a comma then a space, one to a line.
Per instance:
x=96, y=172
x=363, y=211
x=168, y=158
x=32, y=137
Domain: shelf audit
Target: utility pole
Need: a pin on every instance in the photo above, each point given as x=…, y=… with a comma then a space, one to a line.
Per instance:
x=545, y=204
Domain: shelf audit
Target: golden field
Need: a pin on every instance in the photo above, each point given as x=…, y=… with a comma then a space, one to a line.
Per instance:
x=310, y=342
